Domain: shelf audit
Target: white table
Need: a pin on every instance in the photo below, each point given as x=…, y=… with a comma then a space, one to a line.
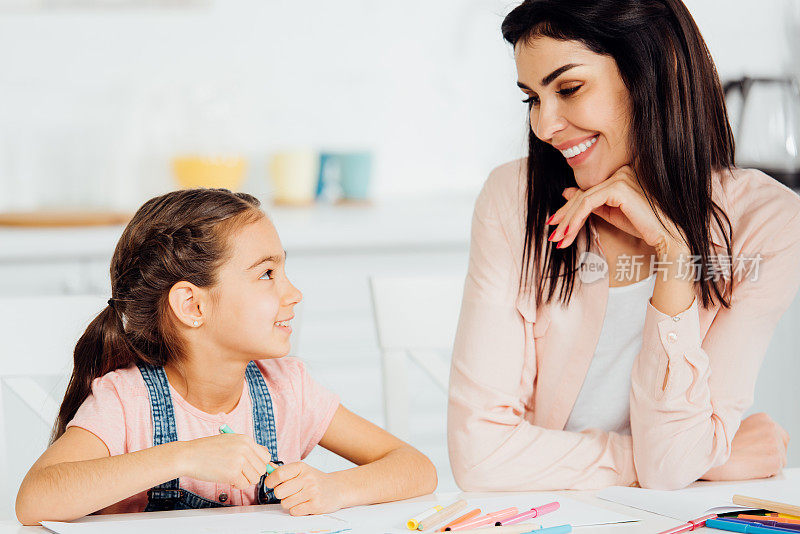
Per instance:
x=649, y=523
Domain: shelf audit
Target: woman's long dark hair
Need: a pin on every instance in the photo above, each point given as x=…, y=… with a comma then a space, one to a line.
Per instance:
x=179, y=236
x=679, y=127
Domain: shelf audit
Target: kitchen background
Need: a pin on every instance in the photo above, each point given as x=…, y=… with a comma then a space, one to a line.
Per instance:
x=98, y=97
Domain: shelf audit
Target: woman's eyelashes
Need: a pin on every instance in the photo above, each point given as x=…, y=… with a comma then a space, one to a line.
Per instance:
x=268, y=275
x=569, y=90
x=534, y=100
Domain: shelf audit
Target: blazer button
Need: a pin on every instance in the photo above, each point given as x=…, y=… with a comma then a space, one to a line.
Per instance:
x=223, y=497
x=672, y=337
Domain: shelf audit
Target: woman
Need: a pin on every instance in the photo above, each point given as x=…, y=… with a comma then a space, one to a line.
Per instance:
x=572, y=368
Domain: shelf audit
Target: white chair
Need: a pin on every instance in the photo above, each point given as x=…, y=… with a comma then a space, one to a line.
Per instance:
x=37, y=337
x=416, y=319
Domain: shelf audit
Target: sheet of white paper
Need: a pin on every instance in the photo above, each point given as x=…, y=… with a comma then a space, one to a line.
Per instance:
x=376, y=519
x=392, y=517
x=703, y=499
x=263, y=522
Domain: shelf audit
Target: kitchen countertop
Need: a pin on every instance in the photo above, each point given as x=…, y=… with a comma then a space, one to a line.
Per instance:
x=431, y=223
x=413, y=224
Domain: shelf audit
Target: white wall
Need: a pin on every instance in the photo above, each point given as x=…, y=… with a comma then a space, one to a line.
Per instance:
x=428, y=85
x=94, y=101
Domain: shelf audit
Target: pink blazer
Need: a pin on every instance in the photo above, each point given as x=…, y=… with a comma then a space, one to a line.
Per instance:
x=517, y=370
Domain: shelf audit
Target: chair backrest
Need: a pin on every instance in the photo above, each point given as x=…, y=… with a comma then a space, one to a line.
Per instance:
x=416, y=312
x=415, y=319
x=37, y=337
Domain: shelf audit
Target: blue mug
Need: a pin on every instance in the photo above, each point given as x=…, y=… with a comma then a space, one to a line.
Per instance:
x=350, y=171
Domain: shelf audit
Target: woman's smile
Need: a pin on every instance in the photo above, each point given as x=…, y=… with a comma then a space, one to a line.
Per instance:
x=577, y=153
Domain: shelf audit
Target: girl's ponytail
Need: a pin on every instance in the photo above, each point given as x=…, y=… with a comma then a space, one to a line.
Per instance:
x=180, y=236
x=101, y=349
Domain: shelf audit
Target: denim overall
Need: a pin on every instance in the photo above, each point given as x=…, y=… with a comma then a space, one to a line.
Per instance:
x=169, y=495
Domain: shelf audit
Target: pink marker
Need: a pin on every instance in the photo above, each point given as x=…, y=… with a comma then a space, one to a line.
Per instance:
x=533, y=512
x=488, y=519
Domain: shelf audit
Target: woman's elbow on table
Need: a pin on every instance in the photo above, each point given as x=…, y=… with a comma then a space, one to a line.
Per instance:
x=666, y=472
x=662, y=480
x=469, y=469
x=471, y=478
x=497, y=470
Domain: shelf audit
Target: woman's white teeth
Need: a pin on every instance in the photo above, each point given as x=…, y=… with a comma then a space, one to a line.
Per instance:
x=577, y=149
x=282, y=323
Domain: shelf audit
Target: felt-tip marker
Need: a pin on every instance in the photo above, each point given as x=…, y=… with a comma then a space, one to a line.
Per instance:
x=225, y=429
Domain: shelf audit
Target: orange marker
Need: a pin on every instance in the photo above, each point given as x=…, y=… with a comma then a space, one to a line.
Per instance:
x=465, y=517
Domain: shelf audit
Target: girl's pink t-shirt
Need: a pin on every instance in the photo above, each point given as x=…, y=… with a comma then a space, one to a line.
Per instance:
x=118, y=412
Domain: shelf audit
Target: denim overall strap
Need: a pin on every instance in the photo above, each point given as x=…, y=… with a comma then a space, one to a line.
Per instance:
x=263, y=422
x=169, y=495
x=164, y=430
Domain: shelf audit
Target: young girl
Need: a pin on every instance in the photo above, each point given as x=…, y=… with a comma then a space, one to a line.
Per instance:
x=193, y=339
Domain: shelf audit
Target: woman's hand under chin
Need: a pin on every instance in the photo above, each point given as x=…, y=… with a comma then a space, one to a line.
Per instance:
x=620, y=201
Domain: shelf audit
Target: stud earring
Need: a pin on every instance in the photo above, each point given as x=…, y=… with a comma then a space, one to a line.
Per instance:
x=195, y=323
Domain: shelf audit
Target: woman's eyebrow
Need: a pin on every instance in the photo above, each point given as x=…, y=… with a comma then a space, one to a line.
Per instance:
x=265, y=259
x=547, y=80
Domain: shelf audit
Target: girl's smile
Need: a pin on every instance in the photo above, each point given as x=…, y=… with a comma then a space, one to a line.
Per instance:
x=283, y=326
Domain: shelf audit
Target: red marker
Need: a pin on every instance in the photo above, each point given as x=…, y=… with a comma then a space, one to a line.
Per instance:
x=691, y=525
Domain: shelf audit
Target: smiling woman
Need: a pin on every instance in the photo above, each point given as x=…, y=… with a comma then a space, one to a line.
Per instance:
x=560, y=380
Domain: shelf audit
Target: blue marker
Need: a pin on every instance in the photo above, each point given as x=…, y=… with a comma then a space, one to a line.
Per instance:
x=560, y=529
x=747, y=528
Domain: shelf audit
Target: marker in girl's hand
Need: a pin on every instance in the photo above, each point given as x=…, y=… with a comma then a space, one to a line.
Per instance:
x=225, y=429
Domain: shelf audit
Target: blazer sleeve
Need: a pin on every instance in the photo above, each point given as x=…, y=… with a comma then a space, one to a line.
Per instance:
x=492, y=443
x=688, y=393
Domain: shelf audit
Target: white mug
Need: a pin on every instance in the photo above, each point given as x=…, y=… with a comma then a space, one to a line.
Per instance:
x=294, y=175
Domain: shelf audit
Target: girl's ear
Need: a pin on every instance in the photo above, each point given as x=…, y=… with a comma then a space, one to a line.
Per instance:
x=187, y=302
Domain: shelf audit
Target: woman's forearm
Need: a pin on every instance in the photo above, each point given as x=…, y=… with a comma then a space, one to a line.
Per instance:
x=387, y=479
x=69, y=490
x=672, y=417
x=674, y=289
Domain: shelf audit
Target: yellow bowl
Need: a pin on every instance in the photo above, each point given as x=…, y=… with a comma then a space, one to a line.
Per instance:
x=200, y=171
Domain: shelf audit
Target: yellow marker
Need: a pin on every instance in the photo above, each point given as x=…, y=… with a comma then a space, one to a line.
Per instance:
x=787, y=516
x=414, y=522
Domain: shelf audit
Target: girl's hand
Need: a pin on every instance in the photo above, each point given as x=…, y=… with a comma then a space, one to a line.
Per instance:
x=304, y=490
x=233, y=459
x=758, y=451
x=620, y=201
